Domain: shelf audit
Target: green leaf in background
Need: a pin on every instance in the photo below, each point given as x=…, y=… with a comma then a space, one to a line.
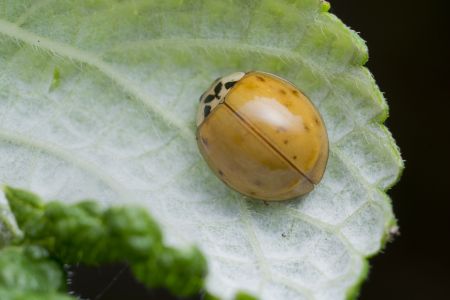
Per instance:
x=28, y=273
x=98, y=100
x=87, y=234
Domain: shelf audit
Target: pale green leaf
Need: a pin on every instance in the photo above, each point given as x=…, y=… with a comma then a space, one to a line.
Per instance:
x=98, y=100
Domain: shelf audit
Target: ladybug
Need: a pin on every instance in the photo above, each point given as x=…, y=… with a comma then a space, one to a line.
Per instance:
x=262, y=136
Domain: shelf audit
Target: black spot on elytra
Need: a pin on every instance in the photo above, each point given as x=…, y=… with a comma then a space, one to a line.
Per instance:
x=317, y=121
x=220, y=173
x=307, y=128
x=285, y=142
x=295, y=92
x=209, y=98
x=294, y=157
x=260, y=78
x=229, y=84
x=206, y=110
x=218, y=88
x=287, y=103
x=283, y=92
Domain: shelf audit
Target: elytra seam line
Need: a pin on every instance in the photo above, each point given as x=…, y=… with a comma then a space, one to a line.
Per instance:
x=253, y=129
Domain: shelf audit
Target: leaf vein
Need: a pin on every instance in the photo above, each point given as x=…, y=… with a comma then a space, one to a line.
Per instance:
x=61, y=153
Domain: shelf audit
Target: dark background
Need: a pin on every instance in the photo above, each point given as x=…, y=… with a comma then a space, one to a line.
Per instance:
x=409, y=57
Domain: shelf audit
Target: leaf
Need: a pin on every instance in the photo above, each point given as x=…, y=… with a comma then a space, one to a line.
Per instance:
x=87, y=234
x=98, y=100
x=29, y=273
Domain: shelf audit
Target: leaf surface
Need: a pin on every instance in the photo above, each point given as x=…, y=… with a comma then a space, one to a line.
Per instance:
x=98, y=100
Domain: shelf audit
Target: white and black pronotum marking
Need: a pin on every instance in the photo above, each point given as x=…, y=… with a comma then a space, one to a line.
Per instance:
x=215, y=94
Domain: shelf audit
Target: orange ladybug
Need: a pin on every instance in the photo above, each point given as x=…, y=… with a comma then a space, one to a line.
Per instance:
x=262, y=136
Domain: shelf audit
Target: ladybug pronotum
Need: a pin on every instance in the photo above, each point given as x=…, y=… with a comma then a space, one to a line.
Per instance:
x=262, y=136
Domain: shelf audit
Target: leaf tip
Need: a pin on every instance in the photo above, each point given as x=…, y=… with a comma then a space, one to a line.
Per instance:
x=325, y=6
